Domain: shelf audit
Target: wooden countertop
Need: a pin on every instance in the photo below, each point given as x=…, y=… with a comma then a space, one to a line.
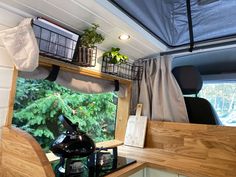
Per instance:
x=168, y=161
x=191, y=150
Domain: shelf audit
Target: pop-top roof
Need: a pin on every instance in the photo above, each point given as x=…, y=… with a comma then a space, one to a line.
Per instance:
x=168, y=19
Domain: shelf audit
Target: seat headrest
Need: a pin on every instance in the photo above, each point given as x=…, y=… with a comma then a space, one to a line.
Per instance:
x=188, y=78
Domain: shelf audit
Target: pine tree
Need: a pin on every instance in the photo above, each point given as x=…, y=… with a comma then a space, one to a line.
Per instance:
x=38, y=104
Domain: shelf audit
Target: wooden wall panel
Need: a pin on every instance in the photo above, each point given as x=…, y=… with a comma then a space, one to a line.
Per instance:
x=22, y=155
x=123, y=115
x=193, y=140
x=11, y=98
x=1, y=152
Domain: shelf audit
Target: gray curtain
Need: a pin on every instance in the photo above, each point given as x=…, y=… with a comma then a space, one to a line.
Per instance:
x=76, y=82
x=160, y=94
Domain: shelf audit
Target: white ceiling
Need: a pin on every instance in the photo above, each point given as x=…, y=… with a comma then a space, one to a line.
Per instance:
x=79, y=14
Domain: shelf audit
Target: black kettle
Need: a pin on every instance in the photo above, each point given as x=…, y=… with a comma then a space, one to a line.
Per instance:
x=73, y=142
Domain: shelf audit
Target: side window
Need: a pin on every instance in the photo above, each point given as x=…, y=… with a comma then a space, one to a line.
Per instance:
x=222, y=96
x=38, y=103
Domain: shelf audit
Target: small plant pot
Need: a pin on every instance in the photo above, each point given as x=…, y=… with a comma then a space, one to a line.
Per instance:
x=125, y=69
x=112, y=68
x=86, y=56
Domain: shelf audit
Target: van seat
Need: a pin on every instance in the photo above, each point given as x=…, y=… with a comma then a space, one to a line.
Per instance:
x=200, y=111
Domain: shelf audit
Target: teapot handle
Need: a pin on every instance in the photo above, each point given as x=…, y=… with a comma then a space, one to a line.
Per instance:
x=67, y=123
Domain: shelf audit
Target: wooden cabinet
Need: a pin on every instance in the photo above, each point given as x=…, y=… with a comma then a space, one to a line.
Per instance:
x=151, y=172
x=140, y=173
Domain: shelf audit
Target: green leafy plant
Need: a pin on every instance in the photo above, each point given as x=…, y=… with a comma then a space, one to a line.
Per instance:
x=115, y=57
x=90, y=37
x=38, y=104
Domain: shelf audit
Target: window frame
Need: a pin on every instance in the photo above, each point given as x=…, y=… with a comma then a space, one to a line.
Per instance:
x=123, y=106
x=215, y=79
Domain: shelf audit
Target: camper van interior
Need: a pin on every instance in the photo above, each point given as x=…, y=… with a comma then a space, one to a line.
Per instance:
x=117, y=88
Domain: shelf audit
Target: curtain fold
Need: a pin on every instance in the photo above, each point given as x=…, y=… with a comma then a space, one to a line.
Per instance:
x=160, y=94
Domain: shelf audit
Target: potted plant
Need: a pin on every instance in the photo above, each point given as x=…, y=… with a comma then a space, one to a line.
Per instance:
x=87, y=49
x=113, y=58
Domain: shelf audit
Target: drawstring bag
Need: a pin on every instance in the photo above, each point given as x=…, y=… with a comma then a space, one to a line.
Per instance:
x=21, y=45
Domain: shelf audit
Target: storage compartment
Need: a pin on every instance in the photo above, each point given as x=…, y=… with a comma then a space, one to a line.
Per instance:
x=54, y=41
x=61, y=44
x=127, y=70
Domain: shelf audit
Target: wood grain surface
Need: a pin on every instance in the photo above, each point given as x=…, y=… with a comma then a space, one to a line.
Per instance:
x=122, y=116
x=192, y=140
x=188, y=149
x=45, y=61
x=1, y=152
x=12, y=98
x=109, y=144
x=22, y=155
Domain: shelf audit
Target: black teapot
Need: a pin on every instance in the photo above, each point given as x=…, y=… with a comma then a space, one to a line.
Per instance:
x=73, y=142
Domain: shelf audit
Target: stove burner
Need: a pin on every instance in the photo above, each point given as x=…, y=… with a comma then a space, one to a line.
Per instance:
x=76, y=167
x=105, y=158
x=100, y=163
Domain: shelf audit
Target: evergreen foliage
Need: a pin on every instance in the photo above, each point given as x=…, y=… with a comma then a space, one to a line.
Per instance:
x=38, y=104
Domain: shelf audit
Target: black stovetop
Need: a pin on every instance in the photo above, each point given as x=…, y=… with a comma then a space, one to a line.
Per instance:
x=100, y=170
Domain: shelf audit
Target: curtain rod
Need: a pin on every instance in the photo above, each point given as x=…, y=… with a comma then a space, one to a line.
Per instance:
x=184, y=50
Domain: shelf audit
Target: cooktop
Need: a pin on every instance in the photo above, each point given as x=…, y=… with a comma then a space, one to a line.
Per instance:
x=98, y=164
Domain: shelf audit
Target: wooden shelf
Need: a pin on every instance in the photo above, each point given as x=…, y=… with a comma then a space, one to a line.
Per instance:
x=45, y=61
x=109, y=144
x=51, y=157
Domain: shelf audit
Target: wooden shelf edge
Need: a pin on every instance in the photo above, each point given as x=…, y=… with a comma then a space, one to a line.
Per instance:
x=109, y=144
x=45, y=61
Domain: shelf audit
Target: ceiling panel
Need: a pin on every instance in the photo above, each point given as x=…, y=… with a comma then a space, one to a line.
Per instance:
x=79, y=14
x=12, y=19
